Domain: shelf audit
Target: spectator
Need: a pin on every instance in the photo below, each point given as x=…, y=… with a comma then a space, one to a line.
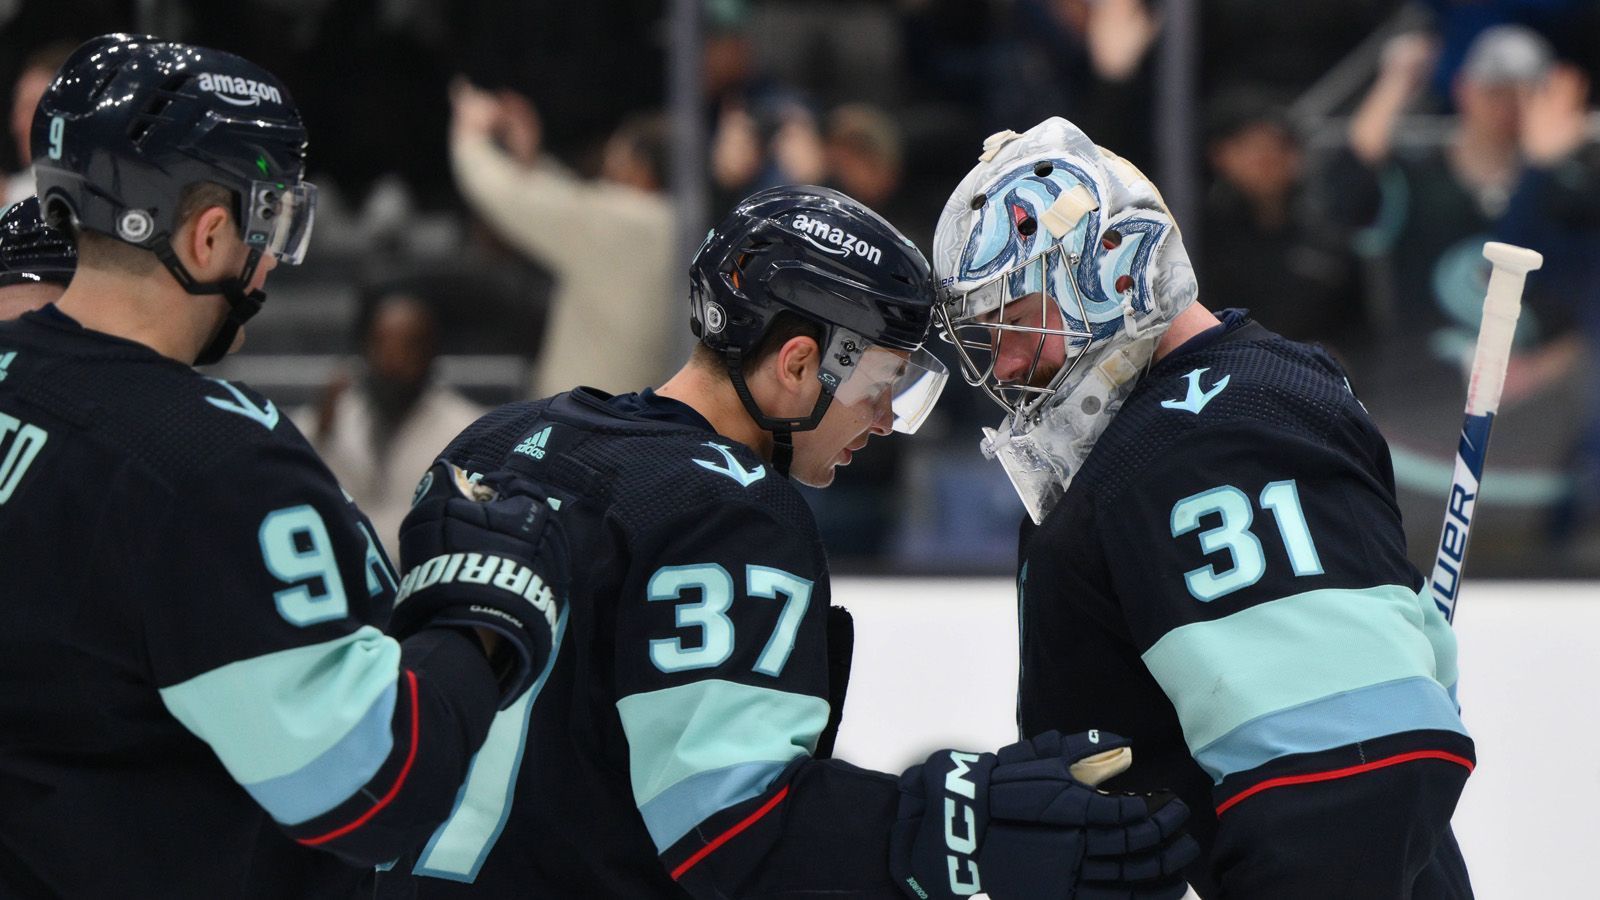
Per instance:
x=37, y=73
x=1556, y=210
x=608, y=242
x=1428, y=211
x=1264, y=247
x=381, y=432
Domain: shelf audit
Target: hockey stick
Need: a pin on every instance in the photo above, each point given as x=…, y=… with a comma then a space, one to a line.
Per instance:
x=1501, y=306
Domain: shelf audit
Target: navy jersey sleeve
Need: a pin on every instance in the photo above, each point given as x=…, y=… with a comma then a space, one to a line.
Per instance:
x=1262, y=573
x=265, y=641
x=723, y=686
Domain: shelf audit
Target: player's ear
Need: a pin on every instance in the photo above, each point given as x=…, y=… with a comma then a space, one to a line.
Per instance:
x=203, y=239
x=798, y=361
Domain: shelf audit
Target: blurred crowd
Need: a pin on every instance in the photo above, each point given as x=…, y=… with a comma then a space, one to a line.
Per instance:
x=498, y=184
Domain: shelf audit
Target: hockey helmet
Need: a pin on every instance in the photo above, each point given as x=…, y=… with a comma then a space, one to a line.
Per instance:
x=818, y=254
x=31, y=251
x=131, y=121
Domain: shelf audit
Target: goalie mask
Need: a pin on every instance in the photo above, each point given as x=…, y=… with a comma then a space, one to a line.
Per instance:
x=1067, y=251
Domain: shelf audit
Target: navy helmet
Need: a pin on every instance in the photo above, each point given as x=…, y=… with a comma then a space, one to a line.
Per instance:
x=821, y=255
x=31, y=251
x=131, y=121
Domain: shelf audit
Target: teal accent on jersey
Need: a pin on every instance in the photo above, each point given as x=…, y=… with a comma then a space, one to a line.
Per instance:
x=461, y=844
x=734, y=469
x=272, y=715
x=534, y=446
x=678, y=809
x=1196, y=399
x=20, y=442
x=5, y=362
x=1296, y=650
x=1246, y=564
x=313, y=565
x=1410, y=704
x=336, y=775
x=712, y=588
x=244, y=406
x=1283, y=499
x=679, y=732
x=769, y=583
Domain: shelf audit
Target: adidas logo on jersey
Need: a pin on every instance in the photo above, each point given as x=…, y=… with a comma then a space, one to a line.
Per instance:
x=246, y=91
x=844, y=242
x=481, y=568
x=534, y=445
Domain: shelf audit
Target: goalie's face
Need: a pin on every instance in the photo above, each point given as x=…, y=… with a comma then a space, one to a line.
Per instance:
x=1027, y=342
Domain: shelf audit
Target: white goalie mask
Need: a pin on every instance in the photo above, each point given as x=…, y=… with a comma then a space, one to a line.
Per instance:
x=1067, y=250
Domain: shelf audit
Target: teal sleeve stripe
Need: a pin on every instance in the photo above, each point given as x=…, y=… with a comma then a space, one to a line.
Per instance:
x=678, y=809
x=460, y=845
x=679, y=732
x=1411, y=704
x=1293, y=651
x=269, y=716
x=336, y=775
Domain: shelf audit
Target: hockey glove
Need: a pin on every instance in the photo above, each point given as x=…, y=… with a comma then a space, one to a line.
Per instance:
x=1020, y=824
x=481, y=557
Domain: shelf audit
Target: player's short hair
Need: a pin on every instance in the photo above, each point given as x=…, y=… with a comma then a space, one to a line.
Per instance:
x=785, y=327
x=102, y=251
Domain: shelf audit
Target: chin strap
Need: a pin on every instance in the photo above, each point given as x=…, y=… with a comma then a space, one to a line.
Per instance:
x=242, y=303
x=782, y=429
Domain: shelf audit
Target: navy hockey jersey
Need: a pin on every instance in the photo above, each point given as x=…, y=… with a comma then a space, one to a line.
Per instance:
x=1225, y=583
x=196, y=699
x=674, y=748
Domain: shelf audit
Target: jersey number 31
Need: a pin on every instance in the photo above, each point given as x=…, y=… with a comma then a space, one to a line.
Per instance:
x=1282, y=498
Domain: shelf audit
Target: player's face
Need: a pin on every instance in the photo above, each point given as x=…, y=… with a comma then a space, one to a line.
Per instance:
x=862, y=407
x=17, y=299
x=1019, y=353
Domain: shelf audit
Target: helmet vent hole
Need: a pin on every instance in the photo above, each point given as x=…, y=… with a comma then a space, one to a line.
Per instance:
x=1044, y=169
x=978, y=200
x=1027, y=226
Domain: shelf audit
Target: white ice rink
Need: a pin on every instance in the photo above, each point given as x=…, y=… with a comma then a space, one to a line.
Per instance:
x=935, y=666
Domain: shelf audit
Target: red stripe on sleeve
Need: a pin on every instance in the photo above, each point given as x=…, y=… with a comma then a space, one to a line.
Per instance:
x=728, y=835
x=411, y=757
x=1343, y=773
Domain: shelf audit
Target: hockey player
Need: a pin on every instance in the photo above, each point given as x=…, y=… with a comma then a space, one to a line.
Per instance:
x=36, y=261
x=195, y=696
x=1212, y=564
x=680, y=747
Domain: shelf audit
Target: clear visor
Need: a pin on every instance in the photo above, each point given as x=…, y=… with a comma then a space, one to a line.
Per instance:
x=886, y=387
x=279, y=219
x=1015, y=307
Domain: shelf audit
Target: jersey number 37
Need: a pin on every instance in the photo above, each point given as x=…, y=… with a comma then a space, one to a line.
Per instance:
x=709, y=614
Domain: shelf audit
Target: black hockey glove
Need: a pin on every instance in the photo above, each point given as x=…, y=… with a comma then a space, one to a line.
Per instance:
x=483, y=556
x=1018, y=824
